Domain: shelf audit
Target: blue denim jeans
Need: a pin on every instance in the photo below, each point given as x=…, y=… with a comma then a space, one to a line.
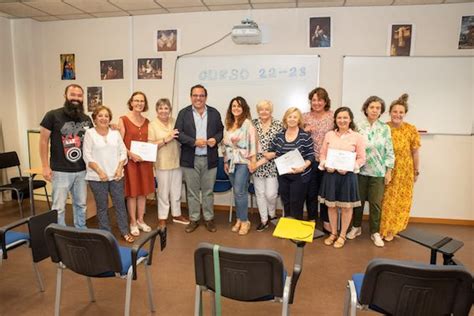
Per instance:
x=240, y=184
x=74, y=182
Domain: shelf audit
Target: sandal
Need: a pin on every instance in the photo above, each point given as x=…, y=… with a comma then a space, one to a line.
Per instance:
x=128, y=238
x=330, y=240
x=339, y=243
x=134, y=230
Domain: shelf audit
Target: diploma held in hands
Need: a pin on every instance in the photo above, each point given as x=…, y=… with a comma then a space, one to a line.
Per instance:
x=291, y=159
x=341, y=160
x=147, y=151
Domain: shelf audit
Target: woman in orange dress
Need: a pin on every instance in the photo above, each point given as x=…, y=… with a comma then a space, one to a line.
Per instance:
x=139, y=179
x=398, y=194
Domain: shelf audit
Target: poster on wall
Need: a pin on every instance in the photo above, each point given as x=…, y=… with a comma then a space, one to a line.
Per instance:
x=466, y=35
x=68, y=67
x=320, y=32
x=94, y=98
x=111, y=69
x=150, y=68
x=401, y=36
x=167, y=40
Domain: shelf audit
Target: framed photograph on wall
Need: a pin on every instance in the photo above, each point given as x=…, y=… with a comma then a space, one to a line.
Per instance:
x=466, y=34
x=111, y=69
x=150, y=68
x=94, y=98
x=68, y=66
x=167, y=40
x=401, y=39
x=320, y=32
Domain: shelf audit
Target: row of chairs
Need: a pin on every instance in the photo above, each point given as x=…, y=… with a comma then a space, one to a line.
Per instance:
x=388, y=286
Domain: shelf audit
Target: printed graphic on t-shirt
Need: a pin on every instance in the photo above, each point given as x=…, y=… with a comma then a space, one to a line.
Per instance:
x=72, y=134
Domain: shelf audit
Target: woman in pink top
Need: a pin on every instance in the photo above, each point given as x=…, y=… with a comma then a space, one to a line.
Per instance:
x=339, y=188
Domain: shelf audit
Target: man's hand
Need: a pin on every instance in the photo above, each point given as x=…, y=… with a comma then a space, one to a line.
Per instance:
x=211, y=142
x=47, y=173
x=200, y=142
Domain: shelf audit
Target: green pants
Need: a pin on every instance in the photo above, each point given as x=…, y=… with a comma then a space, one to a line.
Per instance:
x=370, y=189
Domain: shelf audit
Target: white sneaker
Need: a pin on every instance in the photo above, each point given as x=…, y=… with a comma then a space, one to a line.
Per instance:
x=377, y=240
x=354, y=232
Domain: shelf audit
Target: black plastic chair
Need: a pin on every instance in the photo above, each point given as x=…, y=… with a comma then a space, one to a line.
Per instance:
x=95, y=253
x=248, y=275
x=393, y=287
x=11, y=239
x=21, y=185
x=223, y=184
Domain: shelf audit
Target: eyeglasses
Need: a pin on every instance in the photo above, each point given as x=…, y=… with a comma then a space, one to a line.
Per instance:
x=198, y=95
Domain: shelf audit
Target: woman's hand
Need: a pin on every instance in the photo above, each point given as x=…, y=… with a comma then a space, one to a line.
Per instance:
x=298, y=170
x=226, y=167
x=388, y=176
x=268, y=155
x=103, y=176
x=135, y=157
x=343, y=172
x=118, y=174
x=330, y=170
x=252, y=167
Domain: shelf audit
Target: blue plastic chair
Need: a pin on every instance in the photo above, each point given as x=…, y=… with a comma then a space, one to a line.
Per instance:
x=223, y=184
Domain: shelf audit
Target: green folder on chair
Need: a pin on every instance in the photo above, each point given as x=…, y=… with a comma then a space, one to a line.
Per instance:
x=290, y=228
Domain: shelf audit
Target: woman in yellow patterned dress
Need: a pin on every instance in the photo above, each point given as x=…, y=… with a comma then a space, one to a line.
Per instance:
x=398, y=194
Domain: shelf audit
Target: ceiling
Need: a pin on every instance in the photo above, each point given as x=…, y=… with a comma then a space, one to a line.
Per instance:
x=55, y=10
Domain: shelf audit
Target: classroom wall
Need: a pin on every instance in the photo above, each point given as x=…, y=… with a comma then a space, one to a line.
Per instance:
x=442, y=191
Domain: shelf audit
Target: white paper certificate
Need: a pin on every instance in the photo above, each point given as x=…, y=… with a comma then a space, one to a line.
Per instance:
x=340, y=160
x=291, y=159
x=145, y=150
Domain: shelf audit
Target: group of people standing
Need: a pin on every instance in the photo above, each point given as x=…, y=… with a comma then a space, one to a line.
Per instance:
x=188, y=148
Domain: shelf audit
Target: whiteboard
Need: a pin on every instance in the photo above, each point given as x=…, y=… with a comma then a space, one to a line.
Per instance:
x=285, y=80
x=440, y=89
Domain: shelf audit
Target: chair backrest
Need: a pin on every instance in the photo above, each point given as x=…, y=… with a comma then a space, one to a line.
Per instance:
x=36, y=226
x=221, y=175
x=89, y=252
x=9, y=159
x=408, y=288
x=246, y=274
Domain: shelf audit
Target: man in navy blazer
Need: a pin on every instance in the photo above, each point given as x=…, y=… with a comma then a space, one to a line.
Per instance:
x=200, y=131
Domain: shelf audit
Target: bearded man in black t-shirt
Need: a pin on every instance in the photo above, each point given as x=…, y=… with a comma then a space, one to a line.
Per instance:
x=64, y=129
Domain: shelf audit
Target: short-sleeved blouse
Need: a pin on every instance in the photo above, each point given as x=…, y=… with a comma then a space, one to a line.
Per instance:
x=267, y=170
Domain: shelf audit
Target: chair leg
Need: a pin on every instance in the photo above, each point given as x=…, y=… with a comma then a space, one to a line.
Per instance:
x=230, y=202
x=57, y=303
x=350, y=303
x=39, y=279
x=19, y=203
x=213, y=303
x=198, y=301
x=128, y=293
x=47, y=198
x=150, y=288
x=91, y=289
x=286, y=297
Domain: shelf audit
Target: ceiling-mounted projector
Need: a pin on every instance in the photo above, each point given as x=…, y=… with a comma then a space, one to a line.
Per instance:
x=246, y=33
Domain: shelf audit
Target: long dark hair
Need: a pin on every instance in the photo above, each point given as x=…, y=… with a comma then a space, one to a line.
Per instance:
x=229, y=117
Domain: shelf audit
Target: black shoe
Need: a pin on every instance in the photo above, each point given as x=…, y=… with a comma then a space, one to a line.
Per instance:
x=210, y=226
x=262, y=226
x=191, y=227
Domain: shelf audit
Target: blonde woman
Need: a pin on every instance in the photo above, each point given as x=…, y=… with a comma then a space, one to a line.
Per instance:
x=293, y=185
x=161, y=131
x=265, y=177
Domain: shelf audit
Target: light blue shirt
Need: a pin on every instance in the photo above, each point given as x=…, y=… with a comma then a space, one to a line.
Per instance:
x=201, y=129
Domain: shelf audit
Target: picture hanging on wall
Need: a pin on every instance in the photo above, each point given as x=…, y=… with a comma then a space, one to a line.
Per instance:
x=150, y=68
x=466, y=35
x=401, y=36
x=94, y=98
x=68, y=67
x=167, y=40
x=111, y=69
x=320, y=32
